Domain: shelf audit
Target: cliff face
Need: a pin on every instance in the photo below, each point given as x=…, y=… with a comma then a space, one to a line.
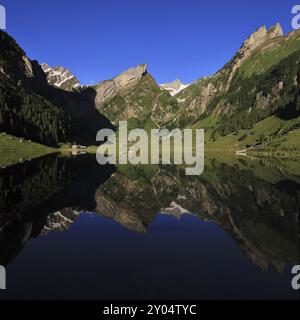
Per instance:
x=107, y=89
x=261, y=36
x=130, y=76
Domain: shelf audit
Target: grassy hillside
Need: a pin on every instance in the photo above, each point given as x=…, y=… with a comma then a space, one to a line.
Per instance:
x=263, y=60
x=253, y=102
x=271, y=133
x=14, y=150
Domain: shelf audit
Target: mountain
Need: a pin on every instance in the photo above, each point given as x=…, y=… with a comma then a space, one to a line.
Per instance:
x=174, y=87
x=253, y=101
x=23, y=112
x=261, y=81
x=61, y=77
x=49, y=106
x=32, y=108
x=134, y=95
x=126, y=80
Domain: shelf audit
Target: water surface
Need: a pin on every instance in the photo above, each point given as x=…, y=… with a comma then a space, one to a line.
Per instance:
x=71, y=229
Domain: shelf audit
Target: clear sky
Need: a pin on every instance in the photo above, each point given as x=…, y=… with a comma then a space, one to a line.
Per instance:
x=98, y=39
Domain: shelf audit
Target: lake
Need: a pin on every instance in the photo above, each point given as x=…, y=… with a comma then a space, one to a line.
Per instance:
x=72, y=229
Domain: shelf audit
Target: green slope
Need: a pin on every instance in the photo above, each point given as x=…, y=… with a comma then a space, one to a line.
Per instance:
x=261, y=61
x=252, y=102
x=144, y=105
x=271, y=133
x=14, y=150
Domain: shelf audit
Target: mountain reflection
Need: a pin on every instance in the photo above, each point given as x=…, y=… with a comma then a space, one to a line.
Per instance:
x=256, y=203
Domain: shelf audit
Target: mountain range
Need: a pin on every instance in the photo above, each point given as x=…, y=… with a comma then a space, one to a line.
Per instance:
x=252, y=102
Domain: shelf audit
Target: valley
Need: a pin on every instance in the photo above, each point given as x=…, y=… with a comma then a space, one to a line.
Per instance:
x=250, y=105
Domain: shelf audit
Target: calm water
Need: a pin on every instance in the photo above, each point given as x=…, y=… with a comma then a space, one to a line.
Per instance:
x=70, y=228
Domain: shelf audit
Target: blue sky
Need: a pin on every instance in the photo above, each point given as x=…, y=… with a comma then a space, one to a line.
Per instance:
x=98, y=39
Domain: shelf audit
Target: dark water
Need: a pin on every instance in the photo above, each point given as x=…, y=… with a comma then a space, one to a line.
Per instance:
x=70, y=228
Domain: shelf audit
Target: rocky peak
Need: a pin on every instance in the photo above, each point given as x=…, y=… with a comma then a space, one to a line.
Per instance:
x=130, y=75
x=176, y=84
x=109, y=88
x=275, y=31
x=174, y=87
x=61, y=77
x=258, y=39
x=260, y=36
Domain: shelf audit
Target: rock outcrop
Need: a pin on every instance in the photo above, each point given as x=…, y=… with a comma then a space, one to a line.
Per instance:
x=260, y=36
x=27, y=67
x=130, y=76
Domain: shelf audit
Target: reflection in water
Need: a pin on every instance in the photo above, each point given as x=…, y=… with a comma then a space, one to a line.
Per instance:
x=35, y=193
x=256, y=204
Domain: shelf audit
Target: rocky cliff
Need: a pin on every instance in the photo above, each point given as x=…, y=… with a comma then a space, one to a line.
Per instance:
x=109, y=88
